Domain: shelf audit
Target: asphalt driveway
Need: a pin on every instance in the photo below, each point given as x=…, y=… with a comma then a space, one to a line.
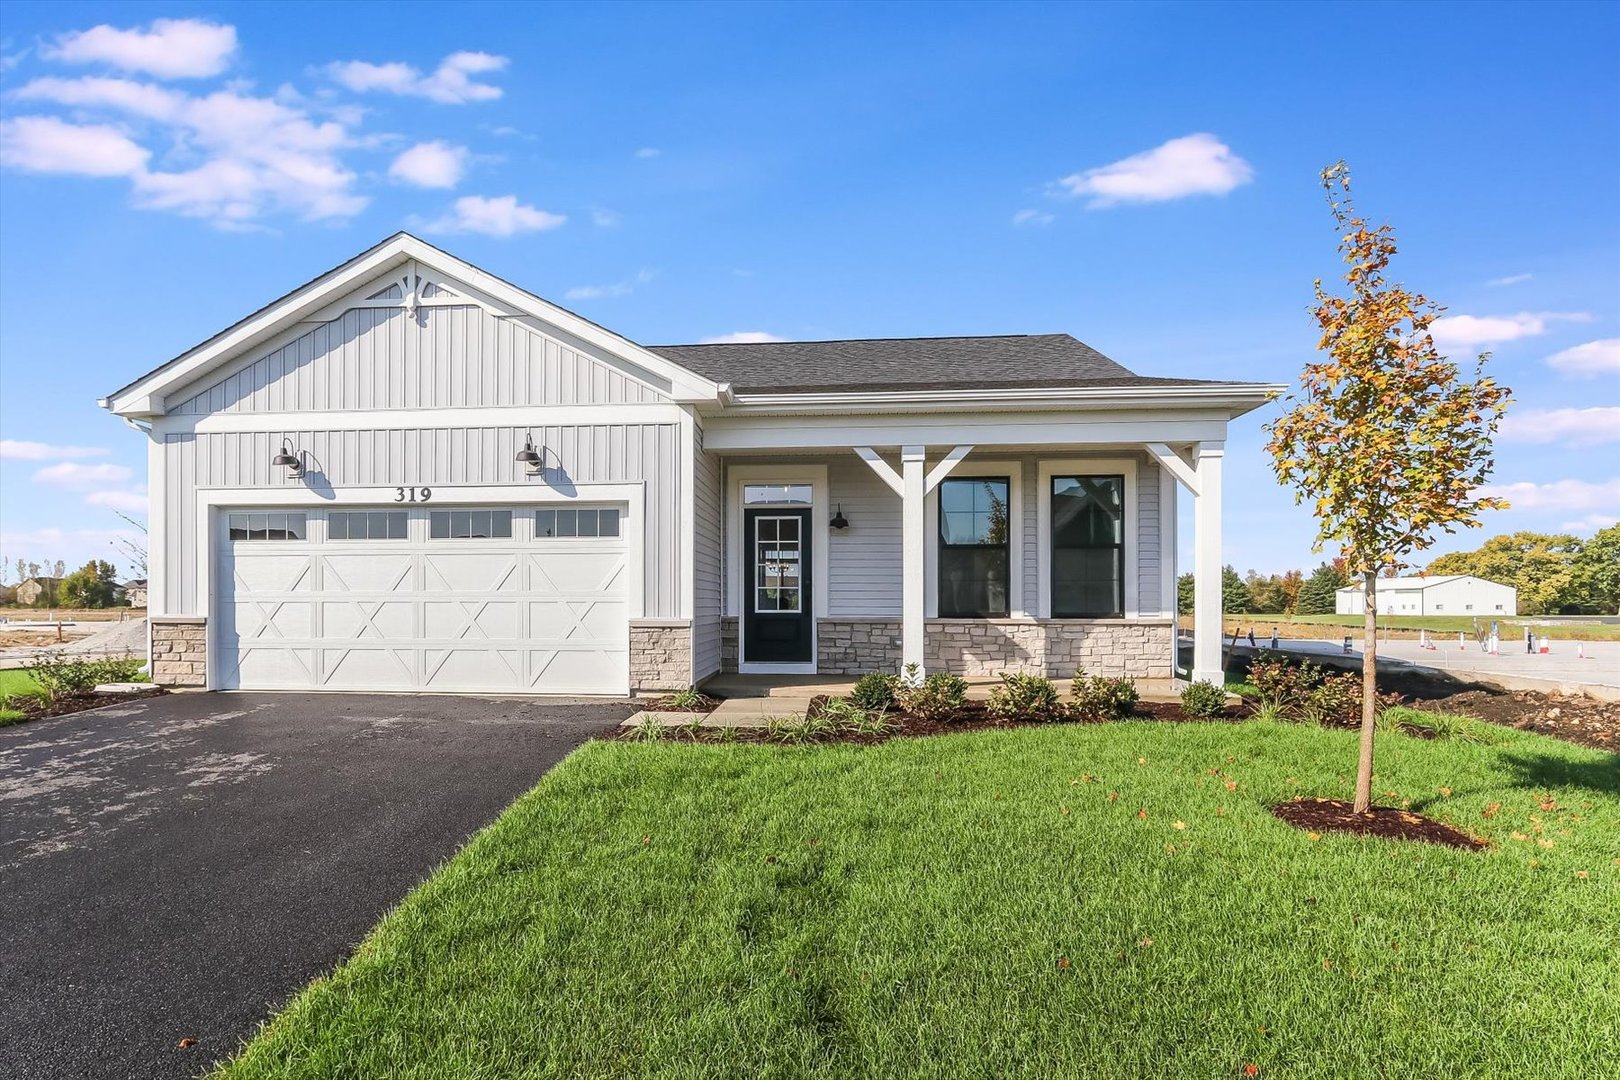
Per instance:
x=176, y=869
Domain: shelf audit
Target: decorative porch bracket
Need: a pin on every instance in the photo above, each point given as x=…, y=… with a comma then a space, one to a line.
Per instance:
x=1176, y=465
x=912, y=482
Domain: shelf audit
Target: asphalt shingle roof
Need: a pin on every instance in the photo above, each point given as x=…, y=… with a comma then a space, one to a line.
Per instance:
x=941, y=363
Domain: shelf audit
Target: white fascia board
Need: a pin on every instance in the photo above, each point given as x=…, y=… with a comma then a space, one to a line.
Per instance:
x=1233, y=401
x=979, y=429
x=141, y=398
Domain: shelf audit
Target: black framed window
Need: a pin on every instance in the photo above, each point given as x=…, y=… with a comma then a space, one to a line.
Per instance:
x=470, y=524
x=1088, y=547
x=574, y=522
x=268, y=526
x=974, y=559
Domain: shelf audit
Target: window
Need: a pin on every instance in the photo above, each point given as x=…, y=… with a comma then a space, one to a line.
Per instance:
x=1088, y=546
x=268, y=526
x=778, y=553
x=470, y=524
x=365, y=525
x=772, y=494
x=577, y=521
x=973, y=552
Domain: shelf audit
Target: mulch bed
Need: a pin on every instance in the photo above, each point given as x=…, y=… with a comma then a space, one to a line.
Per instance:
x=706, y=704
x=35, y=708
x=1317, y=816
x=1577, y=719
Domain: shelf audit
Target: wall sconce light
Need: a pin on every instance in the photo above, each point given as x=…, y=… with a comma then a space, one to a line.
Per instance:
x=288, y=459
x=839, y=521
x=530, y=457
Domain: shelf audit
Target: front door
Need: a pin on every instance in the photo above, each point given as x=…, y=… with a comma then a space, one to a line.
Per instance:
x=777, y=619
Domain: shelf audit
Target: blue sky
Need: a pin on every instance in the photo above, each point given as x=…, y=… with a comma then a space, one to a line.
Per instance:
x=1142, y=176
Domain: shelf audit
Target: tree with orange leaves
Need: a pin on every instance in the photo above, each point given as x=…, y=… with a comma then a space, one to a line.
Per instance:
x=1383, y=436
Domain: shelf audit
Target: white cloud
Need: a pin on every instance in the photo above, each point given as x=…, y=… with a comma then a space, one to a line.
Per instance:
x=1511, y=279
x=1462, y=331
x=1568, y=496
x=501, y=216
x=44, y=144
x=70, y=474
x=1592, y=358
x=1591, y=523
x=1197, y=164
x=1575, y=427
x=73, y=546
x=1033, y=217
x=606, y=219
x=21, y=450
x=618, y=288
x=452, y=83
x=648, y=152
x=167, y=48
x=130, y=502
x=434, y=164
x=741, y=337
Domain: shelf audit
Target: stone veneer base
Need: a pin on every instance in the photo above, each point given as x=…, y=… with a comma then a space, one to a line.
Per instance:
x=179, y=651
x=660, y=655
x=1058, y=648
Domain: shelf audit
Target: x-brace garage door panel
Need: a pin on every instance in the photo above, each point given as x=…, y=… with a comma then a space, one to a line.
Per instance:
x=507, y=615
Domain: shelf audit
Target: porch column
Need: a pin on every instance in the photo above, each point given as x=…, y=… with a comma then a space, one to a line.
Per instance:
x=913, y=621
x=1207, y=632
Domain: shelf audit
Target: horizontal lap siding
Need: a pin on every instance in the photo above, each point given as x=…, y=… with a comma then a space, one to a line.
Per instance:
x=442, y=357
x=707, y=598
x=1149, y=581
x=431, y=457
x=863, y=560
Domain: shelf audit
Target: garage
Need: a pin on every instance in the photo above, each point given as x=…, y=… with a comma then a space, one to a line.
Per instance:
x=530, y=600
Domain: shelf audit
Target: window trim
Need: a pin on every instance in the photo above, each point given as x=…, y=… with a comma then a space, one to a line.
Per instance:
x=329, y=538
x=1012, y=469
x=1127, y=467
x=941, y=546
x=613, y=538
x=1126, y=538
x=267, y=513
x=471, y=508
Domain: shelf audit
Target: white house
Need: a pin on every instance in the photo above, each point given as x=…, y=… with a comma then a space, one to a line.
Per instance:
x=410, y=475
x=1447, y=594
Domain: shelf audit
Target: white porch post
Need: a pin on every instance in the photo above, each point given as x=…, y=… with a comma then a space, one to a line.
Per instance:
x=1207, y=632
x=913, y=621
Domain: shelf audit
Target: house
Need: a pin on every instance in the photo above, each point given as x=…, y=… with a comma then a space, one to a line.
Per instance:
x=37, y=590
x=1445, y=594
x=134, y=592
x=408, y=474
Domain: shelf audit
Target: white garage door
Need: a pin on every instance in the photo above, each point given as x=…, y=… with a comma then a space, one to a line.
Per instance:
x=502, y=600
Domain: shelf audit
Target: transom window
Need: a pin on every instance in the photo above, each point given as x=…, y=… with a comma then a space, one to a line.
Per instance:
x=973, y=552
x=268, y=526
x=365, y=525
x=577, y=521
x=470, y=524
x=778, y=558
x=1088, y=546
x=777, y=494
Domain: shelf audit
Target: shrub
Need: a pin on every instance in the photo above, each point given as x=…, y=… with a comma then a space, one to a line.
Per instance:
x=1335, y=700
x=688, y=700
x=1282, y=685
x=1103, y=698
x=1026, y=697
x=58, y=674
x=938, y=698
x=875, y=690
x=1203, y=699
x=1438, y=725
x=841, y=712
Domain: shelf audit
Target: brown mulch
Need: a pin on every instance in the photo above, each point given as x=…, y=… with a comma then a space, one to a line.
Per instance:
x=706, y=704
x=1577, y=719
x=35, y=708
x=1317, y=816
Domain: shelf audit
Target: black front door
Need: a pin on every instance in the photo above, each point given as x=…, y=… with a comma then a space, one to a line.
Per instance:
x=777, y=626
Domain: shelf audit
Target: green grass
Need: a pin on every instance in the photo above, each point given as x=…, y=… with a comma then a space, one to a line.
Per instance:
x=15, y=684
x=1434, y=624
x=1013, y=903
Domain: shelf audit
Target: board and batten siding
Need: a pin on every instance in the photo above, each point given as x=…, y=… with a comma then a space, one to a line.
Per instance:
x=438, y=457
x=434, y=357
x=708, y=569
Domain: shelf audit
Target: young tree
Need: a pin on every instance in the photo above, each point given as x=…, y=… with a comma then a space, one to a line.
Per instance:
x=90, y=586
x=1184, y=594
x=1595, y=573
x=1234, y=594
x=1384, y=436
x=1289, y=585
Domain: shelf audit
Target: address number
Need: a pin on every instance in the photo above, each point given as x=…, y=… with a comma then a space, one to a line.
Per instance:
x=412, y=494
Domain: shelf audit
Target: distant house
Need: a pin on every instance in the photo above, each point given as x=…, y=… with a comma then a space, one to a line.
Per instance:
x=36, y=590
x=1444, y=594
x=134, y=592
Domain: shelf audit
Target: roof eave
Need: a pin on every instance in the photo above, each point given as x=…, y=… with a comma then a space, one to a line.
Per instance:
x=1233, y=398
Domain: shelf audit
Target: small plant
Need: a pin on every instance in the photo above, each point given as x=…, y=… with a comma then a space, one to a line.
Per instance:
x=727, y=734
x=649, y=730
x=1336, y=699
x=59, y=675
x=688, y=700
x=1282, y=685
x=799, y=729
x=938, y=698
x=876, y=722
x=875, y=690
x=1026, y=697
x=1102, y=698
x=1438, y=725
x=840, y=712
x=1269, y=713
x=1203, y=699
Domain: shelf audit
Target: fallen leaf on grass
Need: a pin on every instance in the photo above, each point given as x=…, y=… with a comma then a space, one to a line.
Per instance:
x=1327, y=965
x=1231, y=785
x=1141, y=761
x=1063, y=963
x=1549, y=804
x=1490, y=811
x=1144, y=943
x=1545, y=842
x=1251, y=1069
x=1113, y=796
x=1063, y=810
x=1446, y=792
x=1142, y=814
x=1519, y=836
x=1313, y=836
x=646, y=839
x=1178, y=824
x=1583, y=874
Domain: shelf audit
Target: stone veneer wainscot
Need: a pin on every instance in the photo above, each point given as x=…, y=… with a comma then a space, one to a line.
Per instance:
x=660, y=655
x=179, y=651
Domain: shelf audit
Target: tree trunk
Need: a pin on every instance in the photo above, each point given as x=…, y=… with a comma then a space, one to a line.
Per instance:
x=1369, y=694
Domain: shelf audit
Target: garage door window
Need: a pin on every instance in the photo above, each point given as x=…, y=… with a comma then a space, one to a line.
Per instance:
x=267, y=526
x=470, y=524
x=576, y=521
x=365, y=525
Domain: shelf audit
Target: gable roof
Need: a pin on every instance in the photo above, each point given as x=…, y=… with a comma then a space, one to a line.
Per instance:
x=1419, y=581
x=937, y=363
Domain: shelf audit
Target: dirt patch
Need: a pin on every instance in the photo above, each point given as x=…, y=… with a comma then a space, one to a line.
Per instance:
x=1317, y=816
x=34, y=708
x=1573, y=718
x=42, y=639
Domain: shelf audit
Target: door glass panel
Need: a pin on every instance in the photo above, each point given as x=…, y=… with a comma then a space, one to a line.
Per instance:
x=777, y=557
x=767, y=494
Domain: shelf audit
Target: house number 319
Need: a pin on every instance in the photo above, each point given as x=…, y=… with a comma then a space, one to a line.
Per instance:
x=412, y=494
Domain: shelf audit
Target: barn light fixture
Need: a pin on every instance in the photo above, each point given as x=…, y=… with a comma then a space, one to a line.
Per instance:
x=288, y=458
x=529, y=456
x=839, y=521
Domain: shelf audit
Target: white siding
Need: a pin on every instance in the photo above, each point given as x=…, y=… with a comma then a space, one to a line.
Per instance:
x=438, y=457
x=708, y=519
x=1150, y=598
x=438, y=357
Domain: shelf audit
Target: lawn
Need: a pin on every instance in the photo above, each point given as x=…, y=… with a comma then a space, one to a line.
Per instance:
x=1081, y=900
x=1511, y=625
x=15, y=684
